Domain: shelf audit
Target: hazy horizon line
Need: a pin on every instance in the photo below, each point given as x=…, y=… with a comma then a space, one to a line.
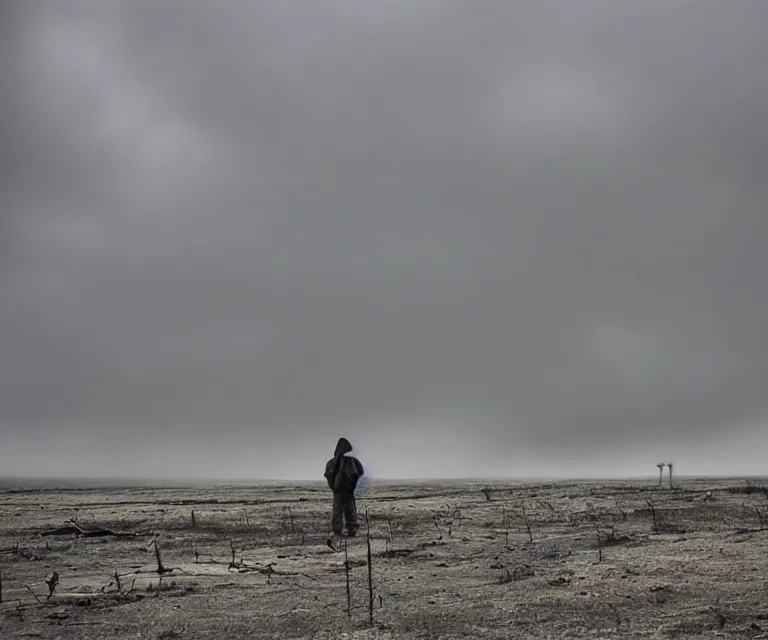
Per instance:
x=134, y=482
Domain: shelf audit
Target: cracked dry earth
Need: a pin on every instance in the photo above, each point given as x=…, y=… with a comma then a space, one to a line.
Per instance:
x=448, y=561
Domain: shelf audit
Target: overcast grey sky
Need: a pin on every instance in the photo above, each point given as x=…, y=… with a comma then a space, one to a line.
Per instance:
x=475, y=237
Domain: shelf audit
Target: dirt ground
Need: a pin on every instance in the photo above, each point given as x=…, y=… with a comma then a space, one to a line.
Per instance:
x=554, y=560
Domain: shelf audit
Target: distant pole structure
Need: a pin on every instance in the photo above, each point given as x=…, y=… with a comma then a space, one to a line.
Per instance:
x=660, y=465
x=670, y=465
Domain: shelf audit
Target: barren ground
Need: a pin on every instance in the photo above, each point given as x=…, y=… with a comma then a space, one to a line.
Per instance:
x=444, y=562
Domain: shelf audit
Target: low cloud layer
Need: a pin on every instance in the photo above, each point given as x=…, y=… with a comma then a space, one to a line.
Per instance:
x=464, y=235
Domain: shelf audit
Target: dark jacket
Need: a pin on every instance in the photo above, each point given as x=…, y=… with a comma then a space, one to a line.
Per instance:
x=342, y=472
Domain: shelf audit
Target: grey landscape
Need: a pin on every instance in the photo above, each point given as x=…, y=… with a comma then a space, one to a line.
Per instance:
x=588, y=559
x=515, y=252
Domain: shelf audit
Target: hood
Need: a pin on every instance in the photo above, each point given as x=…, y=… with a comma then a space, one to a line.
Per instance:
x=342, y=446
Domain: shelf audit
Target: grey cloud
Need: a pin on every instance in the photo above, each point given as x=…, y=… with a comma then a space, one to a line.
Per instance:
x=537, y=222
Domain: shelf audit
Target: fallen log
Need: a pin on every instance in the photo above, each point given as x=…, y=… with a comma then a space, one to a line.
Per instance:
x=741, y=531
x=72, y=528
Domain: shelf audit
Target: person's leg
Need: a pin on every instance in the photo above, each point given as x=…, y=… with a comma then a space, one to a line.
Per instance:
x=350, y=514
x=337, y=518
x=337, y=515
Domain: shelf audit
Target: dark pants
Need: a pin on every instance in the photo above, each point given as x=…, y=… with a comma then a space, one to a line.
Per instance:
x=344, y=509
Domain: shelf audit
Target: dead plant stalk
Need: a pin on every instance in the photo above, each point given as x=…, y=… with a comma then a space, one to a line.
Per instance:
x=346, y=573
x=653, y=513
x=370, y=568
x=527, y=523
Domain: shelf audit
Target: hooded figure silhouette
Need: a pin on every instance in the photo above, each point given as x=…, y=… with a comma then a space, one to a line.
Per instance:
x=342, y=472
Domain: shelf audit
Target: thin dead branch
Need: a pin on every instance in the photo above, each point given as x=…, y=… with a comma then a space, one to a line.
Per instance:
x=287, y=613
x=653, y=513
x=233, y=564
x=370, y=569
x=599, y=544
x=621, y=511
x=346, y=573
x=744, y=530
x=437, y=526
x=72, y=528
x=161, y=568
x=757, y=511
x=34, y=595
x=527, y=523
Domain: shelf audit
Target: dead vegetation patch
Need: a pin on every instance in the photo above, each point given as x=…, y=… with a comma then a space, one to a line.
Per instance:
x=606, y=559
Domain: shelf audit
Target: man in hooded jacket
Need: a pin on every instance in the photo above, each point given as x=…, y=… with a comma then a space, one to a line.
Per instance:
x=342, y=472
